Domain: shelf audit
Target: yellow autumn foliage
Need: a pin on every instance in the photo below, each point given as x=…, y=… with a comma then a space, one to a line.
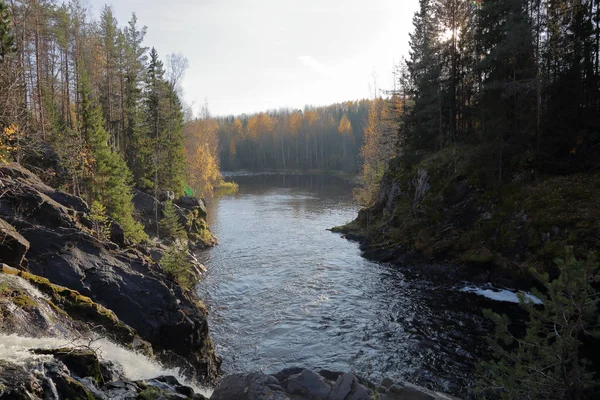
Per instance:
x=345, y=127
x=9, y=142
x=378, y=148
x=295, y=123
x=202, y=152
x=204, y=170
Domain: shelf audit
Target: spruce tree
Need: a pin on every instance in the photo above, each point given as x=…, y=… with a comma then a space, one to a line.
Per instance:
x=176, y=263
x=170, y=226
x=163, y=153
x=134, y=142
x=425, y=72
x=110, y=181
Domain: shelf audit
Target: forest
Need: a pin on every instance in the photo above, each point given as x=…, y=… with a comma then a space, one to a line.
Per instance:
x=107, y=104
x=497, y=131
x=317, y=138
x=517, y=80
x=496, y=175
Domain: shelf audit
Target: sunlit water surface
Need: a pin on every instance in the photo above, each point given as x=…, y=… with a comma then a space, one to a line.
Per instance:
x=283, y=291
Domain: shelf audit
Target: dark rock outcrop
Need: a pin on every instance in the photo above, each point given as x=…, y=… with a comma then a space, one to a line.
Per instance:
x=303, y=384
x=191, y=212
x=25, y=312
x=72, y=373
x=192, y=203
x=13, y=246
x=125, y=281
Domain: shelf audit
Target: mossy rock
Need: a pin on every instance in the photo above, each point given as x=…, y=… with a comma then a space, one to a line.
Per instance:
x=478, y=256
x=81, y=308
x=150, y=392
x=71, y=389
x=81, y=362
x=23, y=301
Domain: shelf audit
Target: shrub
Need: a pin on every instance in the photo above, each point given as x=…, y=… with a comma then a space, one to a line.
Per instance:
x=547, y=363
x=100, y=221
x=176, y=263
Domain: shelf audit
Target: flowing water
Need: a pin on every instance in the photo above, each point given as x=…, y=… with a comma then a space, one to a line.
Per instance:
x=16, y=349
x=283, y=291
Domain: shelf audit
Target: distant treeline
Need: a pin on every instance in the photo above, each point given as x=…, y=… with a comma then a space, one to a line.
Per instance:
x=316, y=138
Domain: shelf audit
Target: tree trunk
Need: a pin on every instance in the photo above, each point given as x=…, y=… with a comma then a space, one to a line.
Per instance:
x=39, y=73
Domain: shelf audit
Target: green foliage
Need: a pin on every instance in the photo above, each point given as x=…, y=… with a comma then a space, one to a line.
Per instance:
x=177, y=264
x=7, y=44
x=100, y=221
x=547, y=362
x=110, y=181
x=170, y=226
x=161, y=150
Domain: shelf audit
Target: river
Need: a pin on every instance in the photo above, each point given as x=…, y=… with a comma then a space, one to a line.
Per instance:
x=283, y=291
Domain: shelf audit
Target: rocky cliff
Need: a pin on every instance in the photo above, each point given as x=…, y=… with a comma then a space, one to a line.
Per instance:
x=92, y=285
x=441, y=208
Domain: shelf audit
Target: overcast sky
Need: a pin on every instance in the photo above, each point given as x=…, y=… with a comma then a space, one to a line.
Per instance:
x=254, y=55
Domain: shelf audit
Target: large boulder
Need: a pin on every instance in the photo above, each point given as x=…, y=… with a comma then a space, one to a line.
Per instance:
x=254, y=386
x=13, y=246
x=304, y=384
x=145, y=206
x=192, y=203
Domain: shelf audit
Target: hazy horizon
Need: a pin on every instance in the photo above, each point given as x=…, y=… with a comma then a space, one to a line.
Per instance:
x=275, y=54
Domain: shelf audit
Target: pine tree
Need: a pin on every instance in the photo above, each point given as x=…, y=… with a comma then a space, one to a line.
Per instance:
x=100, y=221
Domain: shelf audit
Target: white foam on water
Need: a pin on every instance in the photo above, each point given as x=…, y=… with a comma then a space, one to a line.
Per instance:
x=18, y=282
x=15, y=348
x=496, y=294
x=136, y=366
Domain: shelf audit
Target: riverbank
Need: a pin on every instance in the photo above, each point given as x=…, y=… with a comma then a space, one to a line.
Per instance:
x=64, y=281
x=439, y=209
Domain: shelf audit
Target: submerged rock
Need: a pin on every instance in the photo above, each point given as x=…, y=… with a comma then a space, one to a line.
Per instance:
x=303, y=384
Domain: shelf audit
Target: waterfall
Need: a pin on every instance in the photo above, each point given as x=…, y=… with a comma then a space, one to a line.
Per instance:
x=15, y=348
